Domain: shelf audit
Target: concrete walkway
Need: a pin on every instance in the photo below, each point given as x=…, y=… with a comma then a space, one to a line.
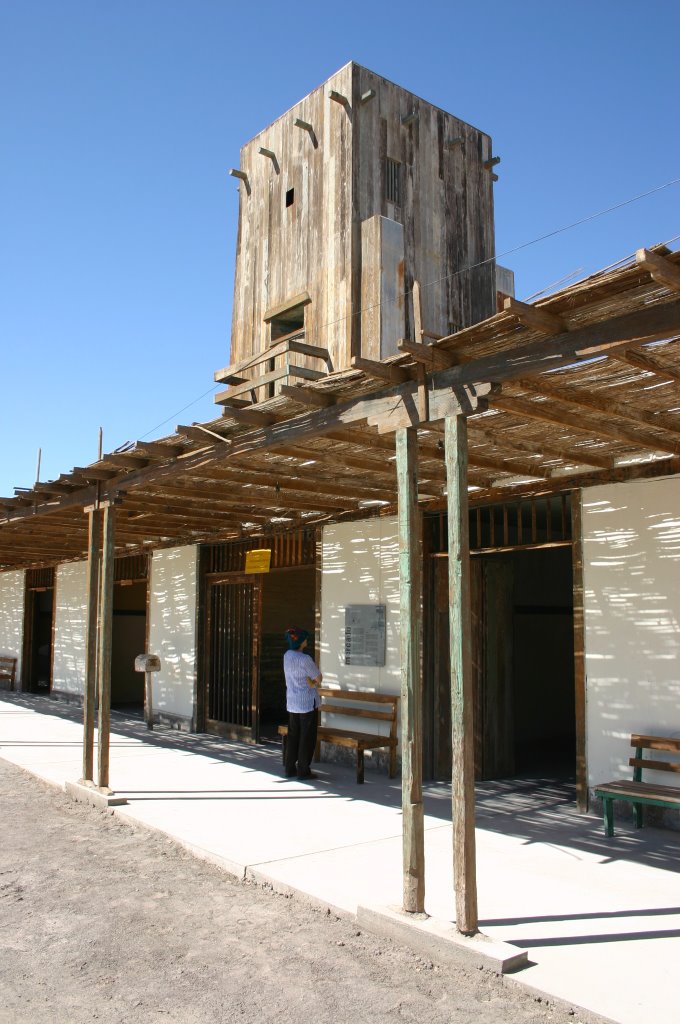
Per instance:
x=600, y=918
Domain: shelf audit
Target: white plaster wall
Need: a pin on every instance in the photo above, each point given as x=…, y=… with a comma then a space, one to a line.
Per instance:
x=631, y=545
x=12, y=616
x=70, y=628
x=360, y=565
x=172, y=629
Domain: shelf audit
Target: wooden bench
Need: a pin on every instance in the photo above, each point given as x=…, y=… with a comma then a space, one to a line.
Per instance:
x=638, y=792
x=338, y=702
x=8, y=671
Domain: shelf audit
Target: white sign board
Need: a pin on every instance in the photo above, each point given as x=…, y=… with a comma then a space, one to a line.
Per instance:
x=365, y=634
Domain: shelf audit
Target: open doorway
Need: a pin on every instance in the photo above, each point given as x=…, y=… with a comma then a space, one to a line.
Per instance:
x=523, y=665
x=128, y=640
x=37, y=653
x=288, y=599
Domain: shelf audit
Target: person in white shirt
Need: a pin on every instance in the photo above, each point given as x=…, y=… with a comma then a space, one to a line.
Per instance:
x=302, y=677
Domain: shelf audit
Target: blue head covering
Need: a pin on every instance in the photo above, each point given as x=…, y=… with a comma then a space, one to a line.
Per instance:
x=295, y=637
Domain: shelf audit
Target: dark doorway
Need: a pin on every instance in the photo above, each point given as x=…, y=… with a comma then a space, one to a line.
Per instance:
x=233, y=604
x=288, y=597
x=523, y=664
x=38, y=621
x=128, y=640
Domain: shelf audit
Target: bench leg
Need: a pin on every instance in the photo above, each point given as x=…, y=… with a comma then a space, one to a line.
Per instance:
x=393, y=762
x=284, y=746
x=608, y=807
x=637, y=815
x=360, y=766
x=317, y=751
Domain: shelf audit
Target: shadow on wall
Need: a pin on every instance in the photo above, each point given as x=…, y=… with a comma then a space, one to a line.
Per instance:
x=632, y=600
x=360, y=566
x=172, y=633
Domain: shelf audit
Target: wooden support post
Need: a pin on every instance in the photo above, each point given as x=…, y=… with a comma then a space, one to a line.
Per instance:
x=410, y=588
x=95, y=519
x=462, y=727
x=104, y=651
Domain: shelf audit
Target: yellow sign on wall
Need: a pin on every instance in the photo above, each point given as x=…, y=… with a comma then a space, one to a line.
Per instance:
x=258, y=560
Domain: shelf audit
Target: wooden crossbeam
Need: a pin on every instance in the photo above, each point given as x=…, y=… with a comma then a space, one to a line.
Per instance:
x=662, y=270
x=381, y=371
x=155, y=450
x=533, y=317
x=515, y=467
x=431, y=358
x=547, y=413
x=509, y=439
x=307, y=397
x=124, y=460
x=95, y=473
x=600, y=402
x=647, y=363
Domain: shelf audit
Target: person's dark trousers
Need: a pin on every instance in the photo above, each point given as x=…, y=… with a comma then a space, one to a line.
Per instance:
x=301, y=742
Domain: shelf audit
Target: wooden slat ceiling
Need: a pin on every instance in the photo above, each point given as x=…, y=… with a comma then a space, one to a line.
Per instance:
x=585, y=391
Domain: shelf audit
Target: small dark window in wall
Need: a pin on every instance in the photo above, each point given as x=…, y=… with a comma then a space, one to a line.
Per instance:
x=290, y=197
x=393, y=181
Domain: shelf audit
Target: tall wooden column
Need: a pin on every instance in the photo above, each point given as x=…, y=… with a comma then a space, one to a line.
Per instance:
x=462, y=733
x=410, y=588
x=104, y=652
x=95, y=518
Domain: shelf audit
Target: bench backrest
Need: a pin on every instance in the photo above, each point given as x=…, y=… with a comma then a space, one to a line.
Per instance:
x=8, y=667
x=337, y=702
x=642, y=743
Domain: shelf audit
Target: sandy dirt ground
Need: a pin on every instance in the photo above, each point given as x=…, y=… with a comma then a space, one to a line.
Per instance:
x=103, y=921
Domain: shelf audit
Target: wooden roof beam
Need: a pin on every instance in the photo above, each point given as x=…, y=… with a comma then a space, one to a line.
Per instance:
x=305, y=396
x=534, y=318
x=662, y=270
x=576, y=456
x=382, y=371
x=597, y=401
x=124, y=460
x=547, y=413
x=427, y=355
x=95, y=473
x=647, y=363
x=156, y=450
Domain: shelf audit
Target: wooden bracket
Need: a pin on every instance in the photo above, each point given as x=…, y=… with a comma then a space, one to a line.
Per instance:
x=271, y=155
x=427, y=355
x=534, y=318
x=381, y=371
x=662, y=270
x=236, y=173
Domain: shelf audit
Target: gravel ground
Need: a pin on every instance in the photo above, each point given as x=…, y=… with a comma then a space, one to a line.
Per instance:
x=103, y=921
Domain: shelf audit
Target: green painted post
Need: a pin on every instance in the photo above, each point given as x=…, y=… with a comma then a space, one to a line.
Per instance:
x=410, y=589
x=104, y=653
x=94, y=524
x=462, y=731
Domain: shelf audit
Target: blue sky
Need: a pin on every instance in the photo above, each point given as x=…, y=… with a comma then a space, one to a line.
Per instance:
x=118, y=219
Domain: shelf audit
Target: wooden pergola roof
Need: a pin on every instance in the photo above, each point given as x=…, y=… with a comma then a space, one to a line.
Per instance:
x=574, y=389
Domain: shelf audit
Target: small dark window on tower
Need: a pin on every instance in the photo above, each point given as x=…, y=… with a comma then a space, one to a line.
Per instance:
x=393, y=181
x=290, y=197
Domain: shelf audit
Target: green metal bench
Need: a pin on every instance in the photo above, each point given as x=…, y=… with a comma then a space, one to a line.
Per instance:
x=637, y=792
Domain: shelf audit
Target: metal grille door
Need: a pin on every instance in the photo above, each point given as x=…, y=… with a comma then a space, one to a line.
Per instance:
x=234, y=612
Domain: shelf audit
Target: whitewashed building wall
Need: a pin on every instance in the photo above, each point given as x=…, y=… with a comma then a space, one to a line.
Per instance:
x=172, y=632
x=631, y=546
x=70, y=628
x=12, y=616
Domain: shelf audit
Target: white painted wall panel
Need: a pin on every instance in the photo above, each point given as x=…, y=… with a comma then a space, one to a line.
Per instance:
x=12, y=616
x=360, y=565
x=631, y=545
x=172, y=629
x=70, y=627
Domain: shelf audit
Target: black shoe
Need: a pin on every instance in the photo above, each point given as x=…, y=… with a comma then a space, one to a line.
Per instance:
x=308, y=775
x=289, y=775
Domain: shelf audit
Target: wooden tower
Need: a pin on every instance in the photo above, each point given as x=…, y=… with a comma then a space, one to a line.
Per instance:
x=357, y=192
